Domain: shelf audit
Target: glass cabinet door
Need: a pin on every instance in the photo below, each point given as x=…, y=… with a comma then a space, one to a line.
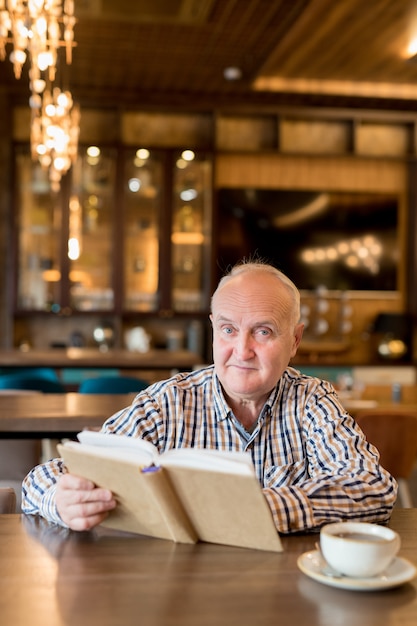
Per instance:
x=191, y=230
x=39, y=234
x=98, y=244
x=142, y=195
x=92, y=230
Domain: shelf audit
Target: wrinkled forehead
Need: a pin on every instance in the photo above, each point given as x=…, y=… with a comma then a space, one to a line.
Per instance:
x=256, y=293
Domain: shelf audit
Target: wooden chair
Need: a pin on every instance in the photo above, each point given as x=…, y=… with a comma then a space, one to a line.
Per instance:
x=394, y=434
x=7, y=500
x=19, y=456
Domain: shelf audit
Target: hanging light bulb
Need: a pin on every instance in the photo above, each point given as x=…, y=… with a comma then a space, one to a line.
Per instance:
x=54, y=133
x=39, y=26
x=37, y=29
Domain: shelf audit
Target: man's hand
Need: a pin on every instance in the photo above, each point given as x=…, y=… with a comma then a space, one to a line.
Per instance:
x=80, y=503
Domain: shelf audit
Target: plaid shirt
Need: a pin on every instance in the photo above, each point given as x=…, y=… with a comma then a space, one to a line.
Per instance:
x=310, y=457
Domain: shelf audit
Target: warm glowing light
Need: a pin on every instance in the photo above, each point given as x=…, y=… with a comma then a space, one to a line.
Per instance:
x=134, y=185
x=188, y=155
x=188, y=194
x=376, y=249
x=331, y=254
x=190, y=239
x=308, y=256
x=352, y=261
x=45, y=60
x=93, y=151
x=412, y=48
x=39, y=27
x=357, y=254
x=363, y=252
x=51, y=276
x=54, y=133
x=73, y=249
x=75, y=228
x=143, y=154
x=343, y=247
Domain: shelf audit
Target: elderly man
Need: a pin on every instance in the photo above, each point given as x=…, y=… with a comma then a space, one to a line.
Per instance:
x=311, y=459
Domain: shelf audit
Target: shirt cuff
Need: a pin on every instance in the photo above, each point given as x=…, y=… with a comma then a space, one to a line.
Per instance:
x=49, y=509
x=291, y=509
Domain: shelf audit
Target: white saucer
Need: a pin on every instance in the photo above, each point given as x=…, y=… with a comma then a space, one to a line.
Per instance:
x=399, y=572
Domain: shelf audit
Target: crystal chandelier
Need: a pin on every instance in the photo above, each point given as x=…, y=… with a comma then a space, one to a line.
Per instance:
x=41, y=27
x=54, y=132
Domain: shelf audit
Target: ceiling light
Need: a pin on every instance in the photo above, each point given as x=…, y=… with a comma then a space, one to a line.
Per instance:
x=412, y=49
x=188, y=155
x=93, y=151
x=232, y=73
x=54, y=133
x=143, y=154
x=39, y=26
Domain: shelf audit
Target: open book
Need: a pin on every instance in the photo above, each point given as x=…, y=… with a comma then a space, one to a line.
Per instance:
x=184, y=494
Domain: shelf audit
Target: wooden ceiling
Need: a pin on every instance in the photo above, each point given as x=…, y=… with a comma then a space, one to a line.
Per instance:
x=169, y=53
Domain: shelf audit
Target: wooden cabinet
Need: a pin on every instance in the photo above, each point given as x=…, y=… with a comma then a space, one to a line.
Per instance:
x=129, y=232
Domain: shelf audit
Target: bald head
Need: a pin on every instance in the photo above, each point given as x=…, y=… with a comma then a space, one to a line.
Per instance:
x=253, y=268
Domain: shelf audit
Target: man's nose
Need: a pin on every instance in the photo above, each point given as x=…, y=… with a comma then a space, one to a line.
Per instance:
x=244, y=345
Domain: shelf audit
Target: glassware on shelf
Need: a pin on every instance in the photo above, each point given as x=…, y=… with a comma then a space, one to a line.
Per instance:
x=142, y=195
x=191, y=233
x=91, y=230
x=39, y=226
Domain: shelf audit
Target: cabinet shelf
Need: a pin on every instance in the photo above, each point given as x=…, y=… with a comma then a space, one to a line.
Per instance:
x=307, y=132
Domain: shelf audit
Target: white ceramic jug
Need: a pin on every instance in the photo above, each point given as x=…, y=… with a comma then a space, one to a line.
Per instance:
x=137, y=339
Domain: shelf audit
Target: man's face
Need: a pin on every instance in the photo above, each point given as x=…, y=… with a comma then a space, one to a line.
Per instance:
x=253, y=334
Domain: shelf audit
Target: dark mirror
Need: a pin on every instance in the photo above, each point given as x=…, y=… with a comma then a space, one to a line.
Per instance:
x=345, y=241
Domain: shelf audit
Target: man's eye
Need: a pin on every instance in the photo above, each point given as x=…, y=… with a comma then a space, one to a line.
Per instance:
x=265, y=332
x=227, y=330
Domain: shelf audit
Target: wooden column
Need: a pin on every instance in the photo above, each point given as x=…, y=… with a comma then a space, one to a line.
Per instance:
x=6, y=249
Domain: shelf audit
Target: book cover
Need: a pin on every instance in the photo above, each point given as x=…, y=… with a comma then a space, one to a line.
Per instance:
x=184, y=494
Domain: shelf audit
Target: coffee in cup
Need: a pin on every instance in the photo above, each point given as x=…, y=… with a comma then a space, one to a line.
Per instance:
x=359, y=549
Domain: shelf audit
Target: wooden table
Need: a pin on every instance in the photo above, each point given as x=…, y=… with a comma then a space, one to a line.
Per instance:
x=92, y=357
x=353, y=406
x=53, y=577
x=380, y=397
x=56, y=415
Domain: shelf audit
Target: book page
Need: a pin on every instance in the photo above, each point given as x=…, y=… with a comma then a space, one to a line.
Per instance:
x=212, y=460
x=145, y=453
x=120, y=446
x=141, y=458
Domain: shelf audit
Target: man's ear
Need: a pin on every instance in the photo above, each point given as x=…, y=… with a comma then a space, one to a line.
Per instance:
x=298, y=335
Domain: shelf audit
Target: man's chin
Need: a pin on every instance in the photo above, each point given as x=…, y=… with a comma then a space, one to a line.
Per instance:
x=238, y=385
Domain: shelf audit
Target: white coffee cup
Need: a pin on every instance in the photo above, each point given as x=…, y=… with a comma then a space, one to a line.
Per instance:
x=358, y=549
